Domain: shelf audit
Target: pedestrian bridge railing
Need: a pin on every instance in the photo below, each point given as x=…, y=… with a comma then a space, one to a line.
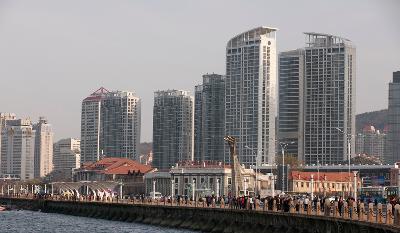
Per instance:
x=385, y=214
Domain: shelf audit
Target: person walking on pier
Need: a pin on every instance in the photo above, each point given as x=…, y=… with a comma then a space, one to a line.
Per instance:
x=306, y=203
x=340, y=205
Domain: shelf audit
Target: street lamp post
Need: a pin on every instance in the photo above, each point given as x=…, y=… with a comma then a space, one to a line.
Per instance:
x=154, y=190
x=120, y=189
x=355, y=186
x=245, y=186
x=193, y=189
x=312, y=187
x=283, y=147
x=348, y=138
x=273, y=185
x=218, y=188
x=172, y=189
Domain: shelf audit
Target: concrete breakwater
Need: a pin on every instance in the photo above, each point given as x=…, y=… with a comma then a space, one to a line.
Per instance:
x=203, y=219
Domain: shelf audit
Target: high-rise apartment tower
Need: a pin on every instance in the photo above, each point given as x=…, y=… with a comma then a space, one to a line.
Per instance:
x=329, y=99
x=250, y=88
x=18, y=149
x=43, y=159
x=393, y=146
x=4, y=117
x=120, y=124
x=172, y=128
x=209, y=117
x=291, y=96
x=110, y=125
x=90, y=126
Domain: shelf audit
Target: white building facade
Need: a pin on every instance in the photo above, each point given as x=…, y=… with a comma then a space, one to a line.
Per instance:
x=329, y=99
x=43, y=159
x=67, y=154
x=4, y=117
x=18, y=149
x=250, y=94
x=90, y=126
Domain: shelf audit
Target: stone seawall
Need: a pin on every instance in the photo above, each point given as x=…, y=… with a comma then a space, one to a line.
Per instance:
x=204, y=219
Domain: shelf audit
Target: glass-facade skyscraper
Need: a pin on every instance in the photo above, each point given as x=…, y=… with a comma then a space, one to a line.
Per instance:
x=393, y=147
x=250, y=90
x=110, y=125
x=329, y=99
x=209, y=127
x=172, y=128
x=291, y=93
x=120, y=124
x=90, y=126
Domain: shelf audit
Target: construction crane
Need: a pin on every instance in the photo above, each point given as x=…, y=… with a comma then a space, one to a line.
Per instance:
x=237, y=181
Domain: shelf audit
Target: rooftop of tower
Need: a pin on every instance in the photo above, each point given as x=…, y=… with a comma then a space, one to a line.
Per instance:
x=97, y=95
x=315, y=39
x=252, y=34
x=171, y=93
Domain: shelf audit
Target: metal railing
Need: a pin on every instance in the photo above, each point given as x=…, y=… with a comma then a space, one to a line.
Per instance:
x=379, y=214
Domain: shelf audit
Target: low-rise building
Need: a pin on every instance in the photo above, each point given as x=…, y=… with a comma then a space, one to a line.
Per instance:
x=371, y=175
x=322, y=182
x=126, y=171
x=207, y=178
x=67, y=156
x=158, y=181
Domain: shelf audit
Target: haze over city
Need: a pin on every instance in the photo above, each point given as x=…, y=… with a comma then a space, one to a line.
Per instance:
x=55, y=53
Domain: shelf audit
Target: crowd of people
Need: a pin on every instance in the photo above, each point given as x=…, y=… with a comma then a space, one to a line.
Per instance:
x=281, y=203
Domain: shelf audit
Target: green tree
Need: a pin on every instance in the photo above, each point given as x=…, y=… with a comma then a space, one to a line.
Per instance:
x=289, y=160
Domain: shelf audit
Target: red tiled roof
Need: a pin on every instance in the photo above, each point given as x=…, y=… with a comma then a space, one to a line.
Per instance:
x=86, y=164
x=327, y=176
x=118, y=166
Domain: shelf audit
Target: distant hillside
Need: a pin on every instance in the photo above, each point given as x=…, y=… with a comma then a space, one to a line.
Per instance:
x=375, y=118
x=145, y=147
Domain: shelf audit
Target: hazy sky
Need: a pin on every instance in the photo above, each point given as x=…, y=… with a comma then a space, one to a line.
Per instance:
x=55, y=53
